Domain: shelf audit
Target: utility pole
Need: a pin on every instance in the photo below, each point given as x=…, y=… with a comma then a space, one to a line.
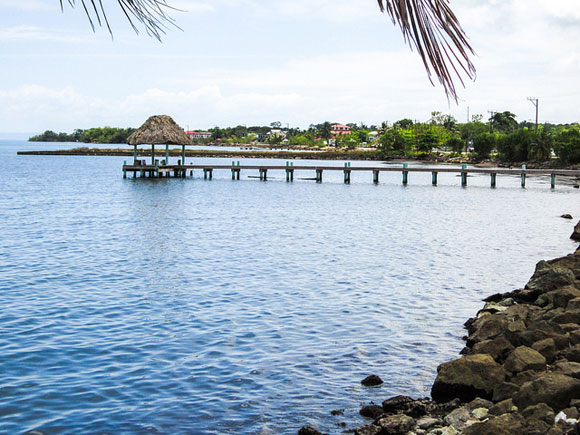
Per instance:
x=534, y=101
x=491, y=112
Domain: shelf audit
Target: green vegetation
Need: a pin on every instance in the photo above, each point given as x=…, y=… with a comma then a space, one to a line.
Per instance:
x=92, y=135
x=442, y=137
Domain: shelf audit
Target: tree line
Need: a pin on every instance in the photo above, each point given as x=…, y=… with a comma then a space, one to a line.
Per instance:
x=107, y=135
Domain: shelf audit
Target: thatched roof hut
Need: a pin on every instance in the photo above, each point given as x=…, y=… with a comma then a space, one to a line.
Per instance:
x=159, y=129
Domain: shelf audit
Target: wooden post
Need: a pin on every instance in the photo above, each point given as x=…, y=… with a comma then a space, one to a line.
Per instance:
x=523, y=176
x=405, y=174
x=134, y=154
x=463, y=175
x=183, y=154
x=166, y=154
x=124, y=170
x=434, y=178
x=318, y=175
x=152, y=154
x=375, y=176
x=287, y=172
x=346, y=174
x=493, y=179
x=553, y=180
x=233, y=171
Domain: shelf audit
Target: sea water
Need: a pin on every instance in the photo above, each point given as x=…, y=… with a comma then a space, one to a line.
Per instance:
x=210, y=307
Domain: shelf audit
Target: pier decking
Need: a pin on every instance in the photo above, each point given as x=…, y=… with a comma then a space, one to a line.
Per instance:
x=161, y=170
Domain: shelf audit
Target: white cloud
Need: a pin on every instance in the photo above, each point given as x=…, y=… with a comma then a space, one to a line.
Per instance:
x=32, y=33
x=30, y=5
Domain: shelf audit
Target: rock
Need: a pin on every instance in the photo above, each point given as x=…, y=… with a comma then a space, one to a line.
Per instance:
x=371, y=381
x=568, y=368
x=395, y=424
x=308, y=430
x=576, y=233
x=486, y=328
x=524, y=358
x=505, y=391
x=540, y=411
x=574, y=304
x=571, y=412
x=457, y=418
x=548, y=277
x=570, y=327
x=478, y=402
x=503, y=407
x=467, y=378
x=337, y=412
x=370, y=429
x=566, y=216
x=572, y=354
x=397, y=403
x=480, y=413
x=553, y=388
x=547, y=347
x=522, y=377
x=505, y=424
x=570, y=316
x=372, y=411
x=499, y=348
x=563, y=295
x=428, y=422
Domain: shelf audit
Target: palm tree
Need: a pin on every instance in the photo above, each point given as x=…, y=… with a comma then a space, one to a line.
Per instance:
x=428, y=25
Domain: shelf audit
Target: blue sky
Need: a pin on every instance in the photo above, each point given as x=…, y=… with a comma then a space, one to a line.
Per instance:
x=253, y=62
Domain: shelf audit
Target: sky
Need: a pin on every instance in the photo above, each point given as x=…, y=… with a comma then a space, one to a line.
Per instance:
x=299, y=62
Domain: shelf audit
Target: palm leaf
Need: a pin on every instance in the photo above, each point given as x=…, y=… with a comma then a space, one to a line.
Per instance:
x=150, y=13
x=434, y=30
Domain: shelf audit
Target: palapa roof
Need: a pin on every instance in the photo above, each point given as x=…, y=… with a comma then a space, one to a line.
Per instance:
x=159, y=129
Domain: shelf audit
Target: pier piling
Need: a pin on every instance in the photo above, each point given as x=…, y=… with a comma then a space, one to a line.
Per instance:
x=405, y=174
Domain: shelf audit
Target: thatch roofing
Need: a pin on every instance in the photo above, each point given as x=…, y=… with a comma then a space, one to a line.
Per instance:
x=159, y=129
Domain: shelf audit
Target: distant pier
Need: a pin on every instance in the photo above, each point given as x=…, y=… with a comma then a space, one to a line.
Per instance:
x=159, y=169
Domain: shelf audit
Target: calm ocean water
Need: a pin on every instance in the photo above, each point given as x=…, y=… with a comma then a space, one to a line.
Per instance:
x=210, y=307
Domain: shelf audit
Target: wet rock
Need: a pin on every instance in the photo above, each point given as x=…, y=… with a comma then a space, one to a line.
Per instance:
x=524, y=358
x=503, y=407
x=547, y=348
x=576, y=233
x=505, y=391
x=467, y=378
x=337, y=412
x=553, y=388
x=308, y=430
x=566, y=216
x=505, y=424
x=486, y=328
x=395, y=424
x=540, y=411
x=498, y=348
x=548, y=277
x=397, y=403
x=372, y=411
x=371, y=381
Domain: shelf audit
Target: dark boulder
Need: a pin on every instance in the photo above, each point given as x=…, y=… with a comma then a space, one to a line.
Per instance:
x=398, y=424
x=372, y=411
x=548, y=277
x=576, y=233
x=371, y=381
x=397, y=403
x=547, y=347
x=566, y=216
x=499, y=348
x=553, y=388
x=505, y=391
x=467, y=378
x=308, y=430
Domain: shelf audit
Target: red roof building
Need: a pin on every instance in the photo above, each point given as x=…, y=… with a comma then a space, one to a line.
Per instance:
x=339, y=129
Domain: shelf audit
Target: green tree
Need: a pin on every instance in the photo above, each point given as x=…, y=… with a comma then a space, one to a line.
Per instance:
x=503, y=121
x=456, y=144
x=515, y=146
x=541, y=146
x=567, y=146
x=483, y=144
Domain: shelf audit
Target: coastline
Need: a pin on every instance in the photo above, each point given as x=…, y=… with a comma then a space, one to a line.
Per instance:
x=299, y=154
x=519, y=372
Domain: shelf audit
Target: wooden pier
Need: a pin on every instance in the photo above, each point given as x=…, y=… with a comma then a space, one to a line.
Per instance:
x=161, y=170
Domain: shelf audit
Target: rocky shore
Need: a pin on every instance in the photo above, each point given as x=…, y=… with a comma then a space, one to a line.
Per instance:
x=519, y=372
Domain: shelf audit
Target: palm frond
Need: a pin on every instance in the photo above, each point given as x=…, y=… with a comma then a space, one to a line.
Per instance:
x=434, y=30
x=150, y=13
